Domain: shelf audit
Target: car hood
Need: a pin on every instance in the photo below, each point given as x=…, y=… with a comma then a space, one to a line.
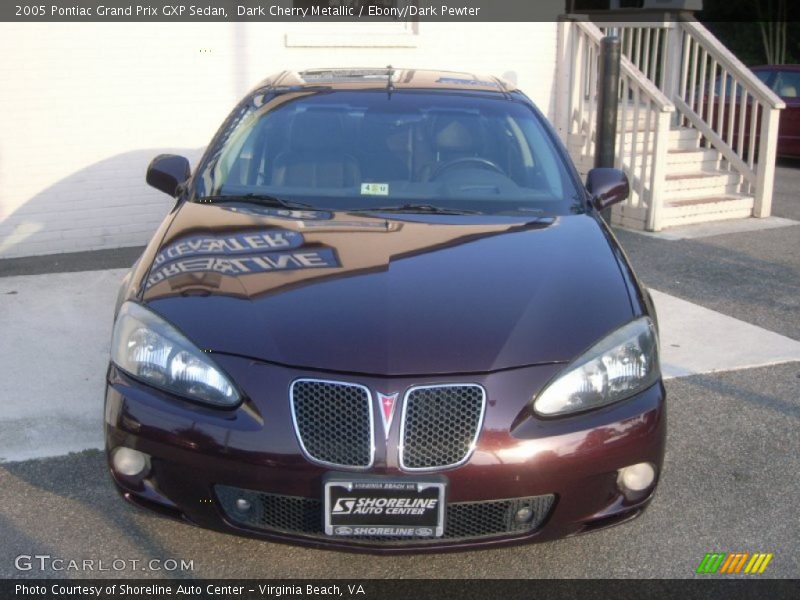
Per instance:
x=387, y=294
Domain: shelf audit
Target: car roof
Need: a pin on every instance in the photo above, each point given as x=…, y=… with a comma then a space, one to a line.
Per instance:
x=372, y=78
x=792, y=67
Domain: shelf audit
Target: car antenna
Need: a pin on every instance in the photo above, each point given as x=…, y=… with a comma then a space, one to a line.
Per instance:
x=389, y=80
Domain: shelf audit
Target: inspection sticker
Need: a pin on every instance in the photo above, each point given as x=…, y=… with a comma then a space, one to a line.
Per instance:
x=374, y=189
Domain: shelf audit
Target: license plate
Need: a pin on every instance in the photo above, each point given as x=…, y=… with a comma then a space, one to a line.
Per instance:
x=384, y=506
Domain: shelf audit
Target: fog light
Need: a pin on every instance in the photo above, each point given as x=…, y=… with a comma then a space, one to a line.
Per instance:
x=637, y=478
x=524, y=514
x=242, y=505
x=129, y=462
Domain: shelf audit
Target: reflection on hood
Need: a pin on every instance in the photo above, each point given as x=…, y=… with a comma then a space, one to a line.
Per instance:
x=235, y=254
x=253, y=240
x=407, y=294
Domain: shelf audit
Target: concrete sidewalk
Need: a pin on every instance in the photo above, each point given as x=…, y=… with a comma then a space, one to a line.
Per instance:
x=56, y=330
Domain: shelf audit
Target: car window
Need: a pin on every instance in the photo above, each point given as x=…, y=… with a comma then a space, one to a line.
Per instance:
x=786, y=84
x=762, y=75
x=357, y=149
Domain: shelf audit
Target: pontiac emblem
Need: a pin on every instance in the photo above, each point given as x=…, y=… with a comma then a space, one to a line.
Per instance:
x=387, y=410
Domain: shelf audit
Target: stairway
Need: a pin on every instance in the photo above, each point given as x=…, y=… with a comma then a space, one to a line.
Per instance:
x=699, y=186
x=675, y=123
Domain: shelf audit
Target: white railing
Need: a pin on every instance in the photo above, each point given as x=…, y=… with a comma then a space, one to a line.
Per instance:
x=645, y=45
x=734, y=111
x=643, y=124
x=715, y=93
x=675, y=73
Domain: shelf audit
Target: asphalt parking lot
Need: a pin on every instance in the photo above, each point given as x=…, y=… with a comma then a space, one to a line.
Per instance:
x=729, y=482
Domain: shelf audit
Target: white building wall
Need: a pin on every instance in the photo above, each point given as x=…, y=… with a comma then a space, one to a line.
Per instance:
x=84, y=107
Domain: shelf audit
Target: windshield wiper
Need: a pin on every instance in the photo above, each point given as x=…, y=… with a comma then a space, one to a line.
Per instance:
x=417, y=208
x=263, y=199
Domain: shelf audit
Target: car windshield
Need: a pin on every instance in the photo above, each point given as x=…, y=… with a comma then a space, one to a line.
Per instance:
x=405, y=151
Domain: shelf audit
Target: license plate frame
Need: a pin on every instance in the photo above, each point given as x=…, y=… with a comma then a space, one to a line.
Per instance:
x=415, y=517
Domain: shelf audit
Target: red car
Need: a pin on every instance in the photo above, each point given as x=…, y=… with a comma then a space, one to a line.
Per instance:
x=784, y=80
x=385, y=314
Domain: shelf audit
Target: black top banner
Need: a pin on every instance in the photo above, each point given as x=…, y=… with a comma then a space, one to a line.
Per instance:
x=303, y=10
x=282, y=10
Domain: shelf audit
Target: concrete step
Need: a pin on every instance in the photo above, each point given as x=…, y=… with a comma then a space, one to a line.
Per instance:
x=684, y=143
x=683, y=161
x=702, y=209
x=677, y=141
x=690, y=179
x=701, y=203
x=689, y=193
x=684, y=133
x=697, y=183
x=691, y=156
x=628, y=111
x=683, y=138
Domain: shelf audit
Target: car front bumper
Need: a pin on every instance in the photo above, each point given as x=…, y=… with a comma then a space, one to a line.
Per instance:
x=202, y=460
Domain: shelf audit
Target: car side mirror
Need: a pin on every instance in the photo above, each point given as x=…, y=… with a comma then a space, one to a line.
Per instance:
x=167, y=171
x=607, y=186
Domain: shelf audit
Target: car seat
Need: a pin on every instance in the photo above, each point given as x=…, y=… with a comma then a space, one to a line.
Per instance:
x=316, y=155
x=382, y=148
x=454, y=136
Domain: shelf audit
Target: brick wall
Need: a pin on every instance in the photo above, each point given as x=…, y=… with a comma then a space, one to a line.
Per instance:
x=84, y=107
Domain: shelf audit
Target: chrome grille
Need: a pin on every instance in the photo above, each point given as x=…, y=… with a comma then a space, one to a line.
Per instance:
x=440, y=425
x=333, y=422
x=463, y=520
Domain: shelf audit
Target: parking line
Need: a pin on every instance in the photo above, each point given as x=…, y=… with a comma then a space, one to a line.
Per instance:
x=696, y=340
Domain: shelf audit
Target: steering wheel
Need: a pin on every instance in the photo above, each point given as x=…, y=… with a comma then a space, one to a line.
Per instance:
x=481, y=162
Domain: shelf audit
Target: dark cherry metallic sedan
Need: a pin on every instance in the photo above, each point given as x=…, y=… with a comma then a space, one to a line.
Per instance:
x=385, y=314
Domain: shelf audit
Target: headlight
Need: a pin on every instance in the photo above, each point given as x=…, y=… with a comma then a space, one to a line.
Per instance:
x=618, y=366
x=148, y=348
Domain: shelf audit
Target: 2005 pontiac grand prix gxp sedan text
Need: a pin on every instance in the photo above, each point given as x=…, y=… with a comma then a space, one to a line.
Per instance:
x=385, y=313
